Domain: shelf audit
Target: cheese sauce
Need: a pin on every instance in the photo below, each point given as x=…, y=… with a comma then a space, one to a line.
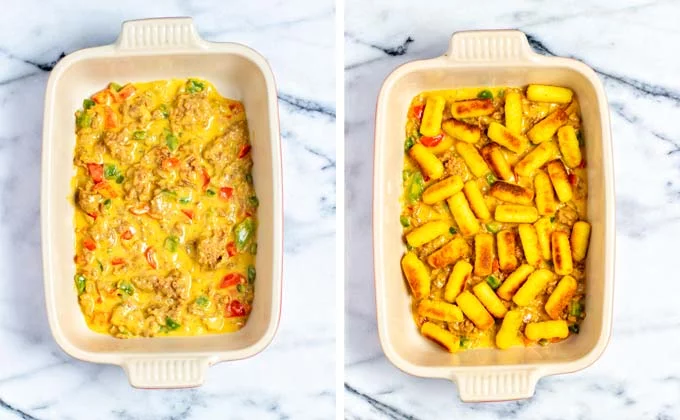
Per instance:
x=165, y=218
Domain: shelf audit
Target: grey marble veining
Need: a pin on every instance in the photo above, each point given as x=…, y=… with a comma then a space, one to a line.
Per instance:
x=631, y=46
x=290, y=379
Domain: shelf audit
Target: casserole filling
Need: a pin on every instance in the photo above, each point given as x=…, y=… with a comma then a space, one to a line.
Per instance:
x=494, y=216
x=166, y=211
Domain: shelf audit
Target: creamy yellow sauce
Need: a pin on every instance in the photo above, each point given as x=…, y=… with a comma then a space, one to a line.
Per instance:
x=428, y=282
x=166, y=211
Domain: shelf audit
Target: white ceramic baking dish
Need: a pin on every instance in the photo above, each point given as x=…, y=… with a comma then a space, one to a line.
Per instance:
x=489, y=58
x=150, y=50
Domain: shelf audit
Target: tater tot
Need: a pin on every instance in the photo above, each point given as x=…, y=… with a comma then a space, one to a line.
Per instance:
x=493, y=155
x=536, y=158
x=580, y=236
x=545, y=93
x=513, y=112
x=432, y=116
x=569, y=147
x=439, y=335
x=561, y=253
x=514, y=281
x=427, y=232
x=442, y=189
x=457, y=280
x=514, y=213
x=488, y=297
x=439, y=311
x=535, y=285
x=428, y=162
x=444, y=145
x=508, y=335
x=506, y=138
x=505, y=244
x=476, y=200
x=484, y=254
x=454, y=250
x=529, y=239
x=545, y=196
x=546, y=330
x=546, y=128
x=467, y=222
x=511, y=193
x=462, y=131
x=544, y=229
x=560, y=297
x=472, y=108
x=560, y=180
x=417, y=275
x=474, y=310
x=472, y=158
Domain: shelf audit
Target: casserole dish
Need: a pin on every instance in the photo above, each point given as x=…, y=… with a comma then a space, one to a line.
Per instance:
x=489, y=58
x=146, y=50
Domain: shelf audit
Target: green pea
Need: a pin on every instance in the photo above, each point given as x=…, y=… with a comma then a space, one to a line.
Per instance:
x=493, y=282
x=574, y=328
x=185, y=200
x=452, y=230
x=171, y=324
x=491, y=178
x=202, y=301
x=485, y=94
x=139, y=135
x=494, y=227
x=253, y=201
x=404, y=221
x=107, y=203
x=251, y=274
x=239, y=288
x=210, y=192
x=120, y=179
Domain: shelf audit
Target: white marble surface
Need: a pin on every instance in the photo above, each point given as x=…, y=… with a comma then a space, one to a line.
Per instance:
x=634, y=50
x=294, y=377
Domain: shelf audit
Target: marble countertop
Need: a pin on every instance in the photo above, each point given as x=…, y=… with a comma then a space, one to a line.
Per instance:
x=632, y=49
x=291, y=378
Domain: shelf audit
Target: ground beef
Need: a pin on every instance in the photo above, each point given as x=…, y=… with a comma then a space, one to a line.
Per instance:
x=211, y=249
x=140, y=184
x=191, y=111
x=226, y=148
x=120, y=146
x=136, y=109
x=89, y=201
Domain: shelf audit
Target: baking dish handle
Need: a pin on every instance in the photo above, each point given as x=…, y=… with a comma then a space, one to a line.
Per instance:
x=175, y=372
x=158, y=33
x=504, y=385
x=488, y=46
